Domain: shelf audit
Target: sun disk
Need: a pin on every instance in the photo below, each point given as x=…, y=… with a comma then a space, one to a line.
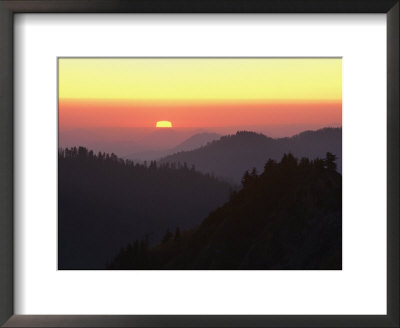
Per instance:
x=163, y=124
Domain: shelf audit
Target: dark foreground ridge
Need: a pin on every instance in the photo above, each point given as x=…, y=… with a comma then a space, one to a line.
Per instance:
x=105, y=202
x=287, y=217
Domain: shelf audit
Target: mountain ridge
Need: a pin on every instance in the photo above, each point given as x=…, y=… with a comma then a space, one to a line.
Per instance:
x=104, y=202
x=195, y=141
x=289, y=217
x=231, y=155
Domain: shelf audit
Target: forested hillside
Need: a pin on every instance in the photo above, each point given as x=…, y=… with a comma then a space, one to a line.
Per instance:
x=231, y=155
x=287, y=217
x=105, y=202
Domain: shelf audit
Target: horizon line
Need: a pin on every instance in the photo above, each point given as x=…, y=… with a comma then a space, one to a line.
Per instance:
x=204, y=100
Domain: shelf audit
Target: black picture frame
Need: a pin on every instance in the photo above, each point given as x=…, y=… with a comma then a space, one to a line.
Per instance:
x=10, y=7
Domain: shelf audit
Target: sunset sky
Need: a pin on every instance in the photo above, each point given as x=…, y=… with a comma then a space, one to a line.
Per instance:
x=199, y=92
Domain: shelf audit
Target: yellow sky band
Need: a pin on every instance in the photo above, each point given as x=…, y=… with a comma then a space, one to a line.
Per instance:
x=158, y=79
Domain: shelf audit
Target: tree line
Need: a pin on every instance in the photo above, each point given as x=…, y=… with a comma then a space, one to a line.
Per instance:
x=105, y=202
x=286, y=217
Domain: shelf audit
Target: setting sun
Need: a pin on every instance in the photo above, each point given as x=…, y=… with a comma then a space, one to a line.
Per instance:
x=199, y=92
x=163, y=124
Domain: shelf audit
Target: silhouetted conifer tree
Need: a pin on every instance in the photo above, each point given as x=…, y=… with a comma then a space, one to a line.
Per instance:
x=304, y=162
x=246, y=178
x=269, y=165
x=167, y=237
x=330, y=161
x=288, y=161
x=177, y=234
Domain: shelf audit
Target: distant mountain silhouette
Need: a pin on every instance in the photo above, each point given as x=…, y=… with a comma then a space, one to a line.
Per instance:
x=116, y=147
x=106, y=202
x=161, y=139
x=111, y=140
x=287, y=217
x=231, y=155
x=125, y=141
x=147, y=155
x=193, y=142
x=196, y=141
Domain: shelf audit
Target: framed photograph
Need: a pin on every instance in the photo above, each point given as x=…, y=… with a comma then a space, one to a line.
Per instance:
x=172, y=163
x=204, y=164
